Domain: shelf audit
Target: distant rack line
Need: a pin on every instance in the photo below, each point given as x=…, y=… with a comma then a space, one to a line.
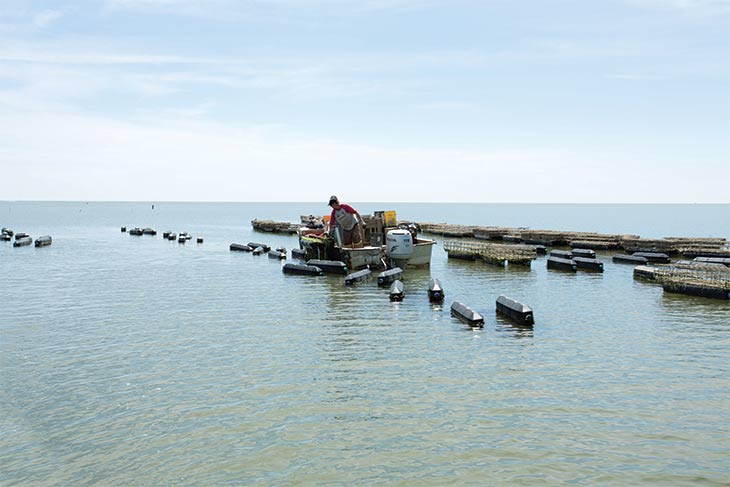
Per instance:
x=687, y=246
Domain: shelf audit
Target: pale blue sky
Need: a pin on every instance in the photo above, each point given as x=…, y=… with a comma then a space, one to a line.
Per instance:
x=376, y=100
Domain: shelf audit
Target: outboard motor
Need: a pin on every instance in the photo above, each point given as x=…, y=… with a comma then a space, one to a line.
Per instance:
x=399, y=246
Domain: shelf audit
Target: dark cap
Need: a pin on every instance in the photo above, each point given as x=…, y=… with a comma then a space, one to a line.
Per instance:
x=333, y=199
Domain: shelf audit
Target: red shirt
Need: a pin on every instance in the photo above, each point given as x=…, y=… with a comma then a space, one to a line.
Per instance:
x=348, y=209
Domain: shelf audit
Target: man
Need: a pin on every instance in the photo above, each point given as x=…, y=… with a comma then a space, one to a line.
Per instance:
x=349, y=220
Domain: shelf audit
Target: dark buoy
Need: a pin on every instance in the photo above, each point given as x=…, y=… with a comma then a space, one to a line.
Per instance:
x=240, y=247
x=397, y=291
x=561, y=264
x=300, y=254
x=629, y=259
x=124, y=229
x=711, y=260
x=329, y=266
x=435, y=291
x=264, y=247
x=466, y=314
x=358, y=276
x=386, y=277
x=585, y=253
x=275, y=254
x=515, y=311
x=22, y=241
x=301, y=269
x=43, y=241
x=590, y=264
x=199, y=240
x=561, y=254
x=657, y=257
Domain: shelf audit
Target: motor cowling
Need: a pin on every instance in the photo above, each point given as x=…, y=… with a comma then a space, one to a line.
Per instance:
x=399, y=244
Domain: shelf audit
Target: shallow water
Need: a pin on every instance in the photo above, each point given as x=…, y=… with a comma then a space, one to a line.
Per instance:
x=133, y=360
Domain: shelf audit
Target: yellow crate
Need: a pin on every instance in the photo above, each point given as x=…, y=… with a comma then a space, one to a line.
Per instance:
x=390, y=219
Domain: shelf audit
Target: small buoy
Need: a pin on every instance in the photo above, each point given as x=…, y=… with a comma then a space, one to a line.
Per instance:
x=561, y=264
x=590, y=264
x=301, y=269
x=240, y=247
x=586, y=253
x=23, y=241
x=397, y=291
x=466, y=314
x=386, y=277
x=358, y=276
x=200, y=240
x=43, y=241
x=328, y=266
x=629, y=259
x=124, y=229
x=435, y=291
x=658, y=257
x=516, y=311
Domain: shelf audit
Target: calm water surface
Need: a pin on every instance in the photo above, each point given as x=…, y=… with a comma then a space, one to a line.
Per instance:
x=133, y=360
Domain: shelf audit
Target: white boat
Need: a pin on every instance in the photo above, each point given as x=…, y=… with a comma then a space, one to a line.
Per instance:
x=414, y=252
x=422, y=248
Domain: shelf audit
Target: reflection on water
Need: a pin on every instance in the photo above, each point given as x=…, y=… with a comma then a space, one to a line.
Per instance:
x=131, y=360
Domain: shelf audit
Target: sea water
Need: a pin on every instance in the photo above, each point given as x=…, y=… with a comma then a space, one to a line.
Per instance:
x=139, y=361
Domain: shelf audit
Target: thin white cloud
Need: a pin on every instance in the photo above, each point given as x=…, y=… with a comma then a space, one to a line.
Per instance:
x=44, y=18
x=637, y=77
x=232, y=7
x=700, y=7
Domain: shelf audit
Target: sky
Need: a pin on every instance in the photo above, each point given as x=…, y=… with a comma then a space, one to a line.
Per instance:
x=545, y=101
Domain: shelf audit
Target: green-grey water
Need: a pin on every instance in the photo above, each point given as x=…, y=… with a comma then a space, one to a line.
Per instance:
x=138, y=361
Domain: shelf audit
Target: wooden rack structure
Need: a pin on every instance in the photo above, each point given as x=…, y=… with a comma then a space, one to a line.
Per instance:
x=491, y=253
x=698, y=280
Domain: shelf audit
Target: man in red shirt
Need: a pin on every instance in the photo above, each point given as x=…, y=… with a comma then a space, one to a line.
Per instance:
x=347, y=218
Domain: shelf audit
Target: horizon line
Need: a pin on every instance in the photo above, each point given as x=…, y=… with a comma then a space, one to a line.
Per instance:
x=368, y=202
